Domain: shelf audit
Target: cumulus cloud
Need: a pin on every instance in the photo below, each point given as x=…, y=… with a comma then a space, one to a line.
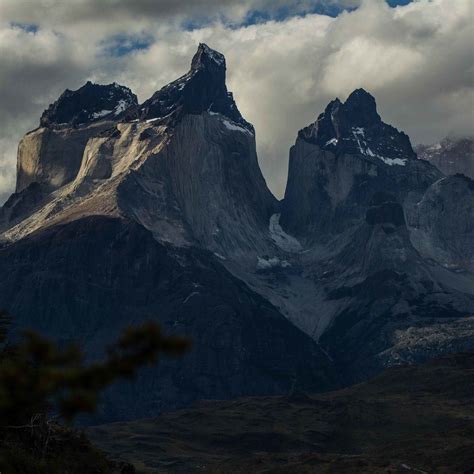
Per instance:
x=415, y=59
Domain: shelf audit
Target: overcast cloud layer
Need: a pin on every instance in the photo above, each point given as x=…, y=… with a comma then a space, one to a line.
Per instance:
x=416, y=60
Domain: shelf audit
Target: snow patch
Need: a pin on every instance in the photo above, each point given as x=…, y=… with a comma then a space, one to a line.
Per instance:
x=122, y=105
x=435, y=147
x=281, y=238
x=233, y=126
x=392, y=161
x=228, y=123
x=364, y=149
x=101, y=114
x=265, y=263
x=194, y=293
x=333, y=141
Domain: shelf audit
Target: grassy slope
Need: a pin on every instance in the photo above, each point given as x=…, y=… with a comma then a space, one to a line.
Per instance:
x=419, y=418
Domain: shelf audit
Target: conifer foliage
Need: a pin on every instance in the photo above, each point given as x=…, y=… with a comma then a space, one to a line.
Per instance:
x=42, y=384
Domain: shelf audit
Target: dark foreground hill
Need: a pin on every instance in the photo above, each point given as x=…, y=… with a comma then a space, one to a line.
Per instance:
x=409, y=419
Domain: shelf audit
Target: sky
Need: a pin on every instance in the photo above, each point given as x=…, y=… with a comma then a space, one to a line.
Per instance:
x=286, y=59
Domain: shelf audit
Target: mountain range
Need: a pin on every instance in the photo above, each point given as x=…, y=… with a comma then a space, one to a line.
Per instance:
x=125, y=212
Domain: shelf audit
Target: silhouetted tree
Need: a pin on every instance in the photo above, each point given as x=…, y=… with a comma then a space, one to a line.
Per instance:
x=37, y=378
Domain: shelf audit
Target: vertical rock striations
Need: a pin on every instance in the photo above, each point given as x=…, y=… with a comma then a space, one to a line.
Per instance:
x=340, y=161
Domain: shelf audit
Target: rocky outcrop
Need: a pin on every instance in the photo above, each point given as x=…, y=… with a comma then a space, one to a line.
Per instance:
x=451, y=155
x=52, y=157
x=355, y=128
x=384, y=291
x=443, y=228
x=90, y=103
x=202, y=89
x=340, y=162
x=211, y=175
x=52, y=154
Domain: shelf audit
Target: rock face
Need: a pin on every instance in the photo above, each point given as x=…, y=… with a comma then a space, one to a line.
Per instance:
x=339, y=162
x=52, y=154
x=355, y=128
x=444, y=225
x=52, y=157
x=384, y=290
x=90, y=103
x=451, y=155
x=183, y=164
x=125, y=212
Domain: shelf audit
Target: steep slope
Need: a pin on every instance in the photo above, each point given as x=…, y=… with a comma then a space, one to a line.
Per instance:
x=86, y=280
x=183, y=164
x=392, y=306
x=450, y=155
x=443, y=227
x=409, y=419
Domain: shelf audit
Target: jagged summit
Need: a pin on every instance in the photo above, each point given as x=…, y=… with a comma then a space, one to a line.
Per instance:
x=361, y=109
x=206, y=57
x=202, y=89
x=89, y=103
x=451, y=155
x=355, y=128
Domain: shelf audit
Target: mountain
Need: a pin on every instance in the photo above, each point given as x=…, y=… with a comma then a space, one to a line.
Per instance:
x=451, y=155
x=132, y=216
x=125, y=212
x=340, y=161
x=189, y=147
x=355, y=199
x=408, y=419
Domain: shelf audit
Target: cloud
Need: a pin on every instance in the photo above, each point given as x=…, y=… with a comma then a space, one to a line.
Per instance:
x=80, y=12
x=415, y=59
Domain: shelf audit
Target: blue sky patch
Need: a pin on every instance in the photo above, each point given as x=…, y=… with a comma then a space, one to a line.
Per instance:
x=28, y=27
x=285, y=12
x=121, y=45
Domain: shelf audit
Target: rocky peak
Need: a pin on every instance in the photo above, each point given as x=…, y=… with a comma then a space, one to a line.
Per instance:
x=207, y=58
x=202, y=89
x=90, y=103
x=361, y=109
x=451, y=155
x=355, y=128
